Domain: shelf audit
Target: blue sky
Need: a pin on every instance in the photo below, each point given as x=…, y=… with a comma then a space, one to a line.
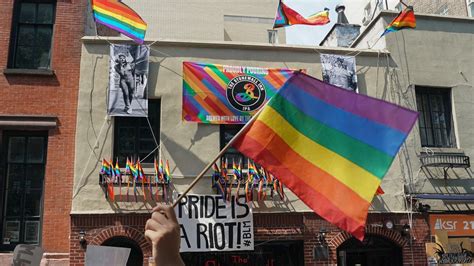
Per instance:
x=310, y=35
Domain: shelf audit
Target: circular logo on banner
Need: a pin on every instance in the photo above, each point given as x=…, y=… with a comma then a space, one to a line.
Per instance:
x=246, y=93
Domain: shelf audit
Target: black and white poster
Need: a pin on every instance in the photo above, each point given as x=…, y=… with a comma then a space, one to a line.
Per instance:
x=128, y=95
x=209, y=223
x=339, y=70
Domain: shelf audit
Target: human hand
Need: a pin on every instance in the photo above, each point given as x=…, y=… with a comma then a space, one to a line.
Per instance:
x=163, y=231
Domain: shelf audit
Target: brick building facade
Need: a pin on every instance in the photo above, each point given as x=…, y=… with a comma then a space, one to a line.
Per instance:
x=38, y=99
x=303, y=228
x=279, y=225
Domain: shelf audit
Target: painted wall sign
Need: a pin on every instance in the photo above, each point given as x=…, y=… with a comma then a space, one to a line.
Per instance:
x=220, y=94
x=208, y=223
x=454, y=224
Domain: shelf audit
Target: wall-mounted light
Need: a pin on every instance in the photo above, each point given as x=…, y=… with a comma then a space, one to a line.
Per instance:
x=388, y=224
x=82, y=239
x=321, y=251
x=322, y=235
x=405, y=230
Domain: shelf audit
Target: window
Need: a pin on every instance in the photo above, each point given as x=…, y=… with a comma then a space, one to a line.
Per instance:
x=272, y=36
x=368, y=11
x=443, y=10
x=434, y=105
x=470, y=8
x=32, y=33
x=227, y=133
x=133, y=136
x=25, y=157
x=399, y=7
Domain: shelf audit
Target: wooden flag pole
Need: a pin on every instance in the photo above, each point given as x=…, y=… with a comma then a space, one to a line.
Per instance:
x=226, y=147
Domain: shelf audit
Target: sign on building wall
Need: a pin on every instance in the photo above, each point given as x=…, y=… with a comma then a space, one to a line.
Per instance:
x=128, y=76
x=339, y=70
x=208, y=223
x=453, y=224
x=221, y=94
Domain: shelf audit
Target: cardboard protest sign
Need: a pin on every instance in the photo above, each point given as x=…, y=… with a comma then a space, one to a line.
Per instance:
x=209, y=223
x=104, y=256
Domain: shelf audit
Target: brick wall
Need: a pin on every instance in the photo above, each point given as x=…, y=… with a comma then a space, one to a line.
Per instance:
x=288, y=226
x=50, y=95
x=413, y=250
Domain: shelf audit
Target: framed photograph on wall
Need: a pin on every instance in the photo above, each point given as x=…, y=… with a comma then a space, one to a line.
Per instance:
x=340, y=70
x=128, y=78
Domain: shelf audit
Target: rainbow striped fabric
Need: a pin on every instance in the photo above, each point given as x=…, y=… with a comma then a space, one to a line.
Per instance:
x=330, y=146
x=405, y=20
x=216, y=94
x=106, y=168
x=120, y=17
x=286, y=16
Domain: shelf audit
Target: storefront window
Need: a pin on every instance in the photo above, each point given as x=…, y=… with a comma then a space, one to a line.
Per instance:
x=25, y=166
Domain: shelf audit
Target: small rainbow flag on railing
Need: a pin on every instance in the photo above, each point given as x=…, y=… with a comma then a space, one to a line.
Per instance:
x=405, y=20
x=120, y=17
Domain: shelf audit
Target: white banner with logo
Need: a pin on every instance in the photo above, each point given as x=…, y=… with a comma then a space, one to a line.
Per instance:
x=208, y=223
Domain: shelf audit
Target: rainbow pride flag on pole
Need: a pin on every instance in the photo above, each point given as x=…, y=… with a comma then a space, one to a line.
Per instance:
x=330, y=146
x=286, y=16
x=405, y=20
x=120, y=17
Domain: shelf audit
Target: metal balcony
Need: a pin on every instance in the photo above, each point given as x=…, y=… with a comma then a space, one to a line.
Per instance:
x=448, y=160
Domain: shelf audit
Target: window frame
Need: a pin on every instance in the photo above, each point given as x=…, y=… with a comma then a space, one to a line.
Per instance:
x=14, y=34
x=6, y=135
x=470, y=8
x=157, y=127
x=446, y=94
x=235, y=128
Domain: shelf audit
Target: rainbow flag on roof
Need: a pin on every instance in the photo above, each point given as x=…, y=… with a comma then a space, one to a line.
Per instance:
x=330, y=146
x=286, y=16
x=120, y=17
x=405, y=20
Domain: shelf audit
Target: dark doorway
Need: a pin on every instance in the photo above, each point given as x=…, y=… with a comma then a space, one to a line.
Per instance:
x=373, y=251
x=136, y=254
x=287, y=253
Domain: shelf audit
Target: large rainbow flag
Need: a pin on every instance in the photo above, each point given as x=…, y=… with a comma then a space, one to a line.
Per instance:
x=120, y=17
x=286, y=16
x=405, y=20
x=221, y=94
x=330, y=146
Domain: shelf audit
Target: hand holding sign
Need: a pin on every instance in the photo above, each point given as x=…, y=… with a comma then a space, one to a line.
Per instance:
x=163, y=230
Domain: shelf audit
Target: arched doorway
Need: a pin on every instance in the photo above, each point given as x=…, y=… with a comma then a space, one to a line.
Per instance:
x=373, y=251
x=136, y=254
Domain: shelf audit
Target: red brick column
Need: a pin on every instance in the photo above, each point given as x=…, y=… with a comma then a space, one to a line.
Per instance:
x=54, y=95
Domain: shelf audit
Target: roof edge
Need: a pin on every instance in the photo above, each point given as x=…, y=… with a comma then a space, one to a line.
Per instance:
x=235, y=45
x=418, y=15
